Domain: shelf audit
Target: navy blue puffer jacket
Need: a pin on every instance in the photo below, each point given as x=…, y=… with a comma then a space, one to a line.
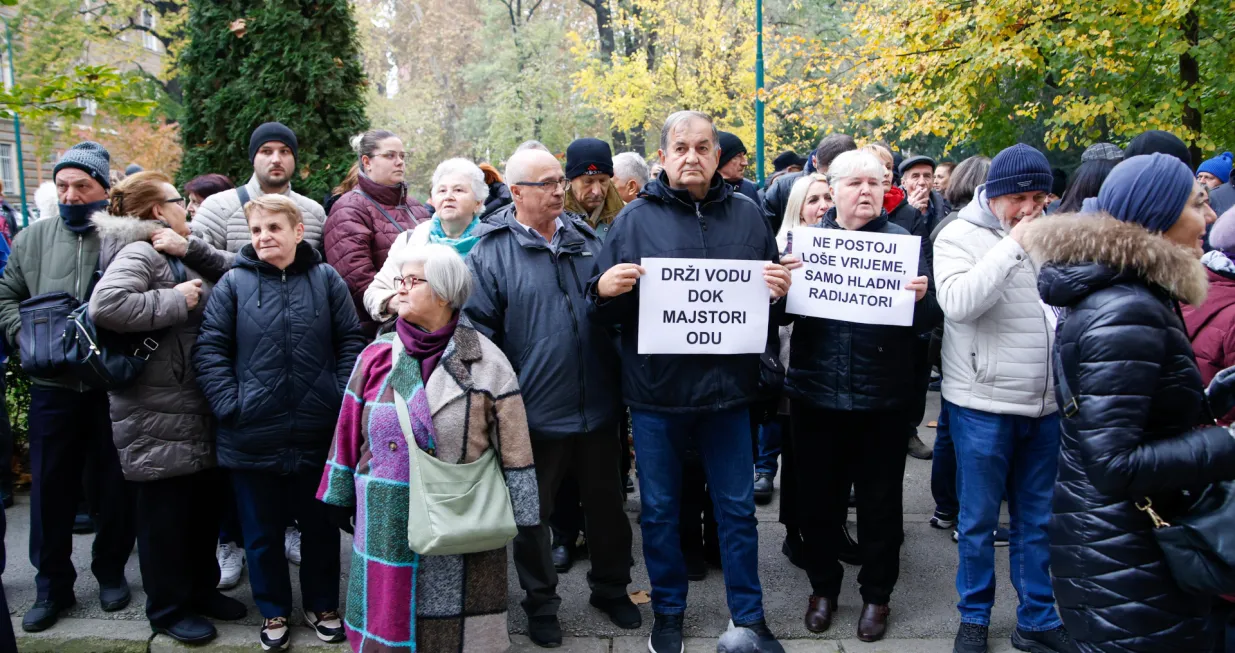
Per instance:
x=665, y=222
x=274, y=356
x=1136, y=431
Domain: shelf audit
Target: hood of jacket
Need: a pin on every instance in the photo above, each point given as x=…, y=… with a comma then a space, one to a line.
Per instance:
x=306, y=258
x=604, y=214
x=659, y=190
x=979, y=212
x=1220, y=272
x=1083, y=253
x=125, y=229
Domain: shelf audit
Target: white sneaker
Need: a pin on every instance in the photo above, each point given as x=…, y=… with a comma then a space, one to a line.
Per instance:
x=231, y=563
x=291, y=546
x=326, y=625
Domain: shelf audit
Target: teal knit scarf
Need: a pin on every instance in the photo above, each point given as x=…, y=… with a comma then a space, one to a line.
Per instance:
x=463, y=244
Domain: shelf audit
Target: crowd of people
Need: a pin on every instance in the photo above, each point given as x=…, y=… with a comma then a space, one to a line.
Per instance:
x=308, y=364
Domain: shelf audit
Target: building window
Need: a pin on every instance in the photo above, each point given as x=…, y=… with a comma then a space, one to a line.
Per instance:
x=8, y=167
x=149, y=40
x=91, y=106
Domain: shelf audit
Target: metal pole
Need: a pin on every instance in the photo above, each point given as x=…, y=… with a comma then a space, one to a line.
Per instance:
x=759, y=91
x=21, y=163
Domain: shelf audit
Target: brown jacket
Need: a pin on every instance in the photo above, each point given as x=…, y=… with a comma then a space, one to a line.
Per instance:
x=602, y=219
x=162, y=425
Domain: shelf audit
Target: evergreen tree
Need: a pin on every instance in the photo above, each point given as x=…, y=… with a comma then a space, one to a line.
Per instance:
x=293, y=61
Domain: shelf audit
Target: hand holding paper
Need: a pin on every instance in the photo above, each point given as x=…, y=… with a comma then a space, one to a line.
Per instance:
x=619, y=279
x=918, y=285
x=777, y=278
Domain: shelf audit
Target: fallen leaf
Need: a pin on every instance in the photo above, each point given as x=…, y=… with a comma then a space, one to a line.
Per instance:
x=640, y=597
x=932, y=424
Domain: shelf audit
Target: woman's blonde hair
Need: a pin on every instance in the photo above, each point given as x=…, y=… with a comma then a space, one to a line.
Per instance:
x=138, y=194
x=793, y=206
x=273, y=203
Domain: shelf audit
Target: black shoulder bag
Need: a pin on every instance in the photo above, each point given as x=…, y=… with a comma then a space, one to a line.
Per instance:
x=106, y=360
x=1199, y=547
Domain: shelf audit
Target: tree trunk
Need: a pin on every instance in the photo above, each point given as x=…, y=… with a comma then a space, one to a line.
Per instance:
x=1190, y=75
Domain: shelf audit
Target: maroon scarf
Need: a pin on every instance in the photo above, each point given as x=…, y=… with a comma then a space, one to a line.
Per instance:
x=424, y=346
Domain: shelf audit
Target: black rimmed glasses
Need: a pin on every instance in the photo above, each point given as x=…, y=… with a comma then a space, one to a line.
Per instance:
x=559, y=183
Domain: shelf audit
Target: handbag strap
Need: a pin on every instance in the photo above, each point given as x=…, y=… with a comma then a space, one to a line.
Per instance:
x=1068, y=405
x=372, y=201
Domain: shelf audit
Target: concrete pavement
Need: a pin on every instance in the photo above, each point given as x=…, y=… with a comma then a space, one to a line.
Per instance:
x=924, y=617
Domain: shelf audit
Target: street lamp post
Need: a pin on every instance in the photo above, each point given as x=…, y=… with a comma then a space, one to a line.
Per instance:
x=759, y=91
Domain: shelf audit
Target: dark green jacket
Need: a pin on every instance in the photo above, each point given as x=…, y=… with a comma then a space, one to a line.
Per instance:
x=46, y=258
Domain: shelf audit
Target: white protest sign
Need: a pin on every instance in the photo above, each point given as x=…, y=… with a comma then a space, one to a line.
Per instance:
x=854, y=276
x=702, y=306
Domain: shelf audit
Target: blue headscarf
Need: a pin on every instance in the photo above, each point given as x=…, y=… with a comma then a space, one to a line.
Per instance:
x=1150, y=190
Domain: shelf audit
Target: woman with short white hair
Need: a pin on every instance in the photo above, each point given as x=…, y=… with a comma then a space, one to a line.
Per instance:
x=455, y=416
x=851, y=388
x=458, y=196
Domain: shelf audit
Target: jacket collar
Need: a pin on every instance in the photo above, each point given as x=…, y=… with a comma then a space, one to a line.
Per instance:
x=1082, y=253
x=570, y=239
x=874, y=226
x=463, y=350
x=607, y=211
x=385, y=195
x=658, y=189
x=306, y=258
x=978, y=212
x=124, y=229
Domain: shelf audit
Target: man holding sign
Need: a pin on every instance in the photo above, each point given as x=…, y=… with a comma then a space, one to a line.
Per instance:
x=693, y=233
x=862, y=300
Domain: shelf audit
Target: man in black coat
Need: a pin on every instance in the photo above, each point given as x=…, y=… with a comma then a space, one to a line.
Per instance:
x=777, y=195
x=690, y=212
x=733, y=162
x=529, y=299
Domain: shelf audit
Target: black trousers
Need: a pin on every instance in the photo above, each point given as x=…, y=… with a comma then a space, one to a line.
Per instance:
x=788, y=476
x=834, y=449
x=8, y=642
x=921, y=384
x=177, y=521
x=594, y=459
x=698, y=531
x=66, y=429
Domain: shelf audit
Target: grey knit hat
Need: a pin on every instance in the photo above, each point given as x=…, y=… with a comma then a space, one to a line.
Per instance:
x=1103, y=152
x=89, y=157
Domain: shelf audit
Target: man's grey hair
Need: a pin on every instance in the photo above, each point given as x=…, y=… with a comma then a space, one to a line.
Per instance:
x=680, y=117
x=856, y=163
x=629, y=165
x=531, y=145
x=459, y=166
x=447, y=274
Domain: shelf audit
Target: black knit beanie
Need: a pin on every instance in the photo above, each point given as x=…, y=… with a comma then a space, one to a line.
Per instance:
x=730, y=146
x=588, y=156
x=1156, y=140
x=273, y=131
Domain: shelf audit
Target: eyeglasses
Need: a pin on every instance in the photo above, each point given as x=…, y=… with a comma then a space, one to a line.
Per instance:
x=392, y=155
x=560, y=183
x=175, y=200
x=408, y=282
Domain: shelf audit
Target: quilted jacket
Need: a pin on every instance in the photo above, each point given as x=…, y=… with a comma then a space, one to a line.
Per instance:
x=1134, y=434
x=274, y=356
x=162, y=425
x=997, y=335
x=220, y=219
x=358, y=237
x=1211, y=326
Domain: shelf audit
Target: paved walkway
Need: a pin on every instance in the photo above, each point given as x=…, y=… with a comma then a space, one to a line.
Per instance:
x=923, y=620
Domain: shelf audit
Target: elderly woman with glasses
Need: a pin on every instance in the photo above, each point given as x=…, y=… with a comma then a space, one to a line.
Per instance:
x=366, y=221
x=461, y=394
x=458, y=194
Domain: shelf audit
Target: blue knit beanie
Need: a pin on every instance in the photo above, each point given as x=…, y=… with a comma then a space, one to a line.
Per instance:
x=89, y=157
x=1150, y=190
x=1219, y=166
x=1018, y=169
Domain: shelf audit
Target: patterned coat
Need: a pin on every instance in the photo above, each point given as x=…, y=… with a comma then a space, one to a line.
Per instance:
x=459, y=602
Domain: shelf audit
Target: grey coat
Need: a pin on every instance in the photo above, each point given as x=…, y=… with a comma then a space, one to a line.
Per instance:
x=162, y=425
x=220, y=219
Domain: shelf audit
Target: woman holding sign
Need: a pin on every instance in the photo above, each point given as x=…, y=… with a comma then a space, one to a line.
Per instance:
x=851, y=387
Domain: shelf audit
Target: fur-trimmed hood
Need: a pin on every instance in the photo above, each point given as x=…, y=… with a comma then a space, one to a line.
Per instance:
x=124, y=229
x=1082, y=253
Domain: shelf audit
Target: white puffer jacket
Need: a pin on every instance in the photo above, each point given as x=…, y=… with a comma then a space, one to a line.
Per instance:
x=998, y=334
x=220, y=219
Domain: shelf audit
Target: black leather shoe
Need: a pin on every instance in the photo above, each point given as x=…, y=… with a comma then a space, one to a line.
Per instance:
x=45, y=614
x=919, y=449
x=114, y=598
x=191, y=629
x=764, y=487
x=766, y=640
x=847, y=549
x=563, y=560
x=545, y=632
x=219, y=606
x=622, y=612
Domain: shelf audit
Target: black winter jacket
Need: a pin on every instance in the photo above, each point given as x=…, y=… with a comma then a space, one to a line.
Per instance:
x=275, y=352
x=669, y=223
x=777, y=196
x=921, y=223
x=1125, y=355
x=850, y=366
x=531, y=303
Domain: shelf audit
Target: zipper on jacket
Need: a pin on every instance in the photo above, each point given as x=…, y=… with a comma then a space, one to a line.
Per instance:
x=287, y=339
x=77, y=281
x=574, y=325
x=703, y=229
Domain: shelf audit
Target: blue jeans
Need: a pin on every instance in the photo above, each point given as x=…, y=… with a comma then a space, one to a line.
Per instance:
x=723, y=441
x=1019, y=455
x=943, y=467
x=769, y=447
